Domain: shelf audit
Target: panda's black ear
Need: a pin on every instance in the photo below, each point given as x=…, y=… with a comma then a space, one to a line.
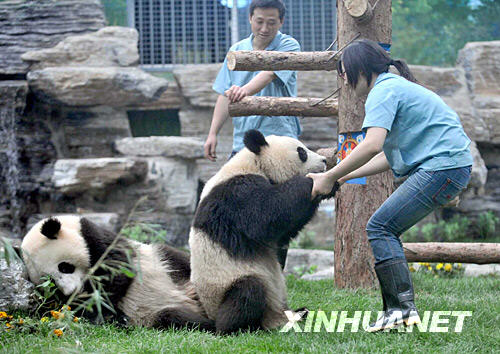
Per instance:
x=50, y=228
x=254, y=141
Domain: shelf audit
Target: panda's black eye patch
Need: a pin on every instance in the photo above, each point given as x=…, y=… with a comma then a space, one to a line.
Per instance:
x=66, y=268
x=302, y=154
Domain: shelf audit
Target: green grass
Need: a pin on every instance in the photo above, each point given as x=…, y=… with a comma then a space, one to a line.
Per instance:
x=481, y=332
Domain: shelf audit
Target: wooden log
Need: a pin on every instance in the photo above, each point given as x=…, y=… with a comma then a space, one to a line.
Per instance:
x=360, y=10
x=479, y=253
x=284, y=106
x=355, y=204
x=257, y=60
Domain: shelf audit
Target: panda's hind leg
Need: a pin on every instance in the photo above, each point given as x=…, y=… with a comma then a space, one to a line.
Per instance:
x=242, y=307
x=181, y=318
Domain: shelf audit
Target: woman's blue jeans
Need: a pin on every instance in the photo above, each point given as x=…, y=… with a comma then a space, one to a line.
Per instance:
x=418, y=196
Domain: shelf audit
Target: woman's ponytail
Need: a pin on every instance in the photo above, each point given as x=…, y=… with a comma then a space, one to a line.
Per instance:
x=403, y=69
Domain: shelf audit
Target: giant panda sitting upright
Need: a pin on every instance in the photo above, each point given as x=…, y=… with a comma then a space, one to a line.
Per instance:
x=258, y=201
x=66, y=247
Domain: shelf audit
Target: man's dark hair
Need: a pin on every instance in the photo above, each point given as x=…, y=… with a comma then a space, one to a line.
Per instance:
x=269, y=4
x=367, y=57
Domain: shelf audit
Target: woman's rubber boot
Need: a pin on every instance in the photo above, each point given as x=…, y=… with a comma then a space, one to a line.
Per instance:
x=397, y=294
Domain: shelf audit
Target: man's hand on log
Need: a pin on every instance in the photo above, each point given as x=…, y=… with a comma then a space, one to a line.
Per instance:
x=236, y=93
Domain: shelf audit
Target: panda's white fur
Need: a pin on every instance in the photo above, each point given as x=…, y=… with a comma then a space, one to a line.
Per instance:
x=216, y=268
x=163, y=297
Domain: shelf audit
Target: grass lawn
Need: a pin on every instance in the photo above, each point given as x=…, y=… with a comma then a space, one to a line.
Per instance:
x=481, y=332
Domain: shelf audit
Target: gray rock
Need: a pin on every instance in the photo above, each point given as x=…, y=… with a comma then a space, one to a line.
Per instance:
x=317, y=84
x=481, y=63
x=321, y=228
x=209, y=168
x=474, y=270
x=167, y=146
x=92, y=86
x=110, y=46
x=307, y=258
x=90, y=132
x=479, y=205
x=16, y=292
x=109, y=221
x=32, y=25
x=321, y=275
x=75, y=176
x=174, y=183
x=171, y=98
x=195, y=82
x=479, y=173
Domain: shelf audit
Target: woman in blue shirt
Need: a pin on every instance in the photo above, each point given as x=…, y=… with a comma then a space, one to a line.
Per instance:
x=410, y=130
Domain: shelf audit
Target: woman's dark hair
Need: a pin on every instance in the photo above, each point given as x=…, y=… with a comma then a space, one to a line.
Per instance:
x=368, y=57
x=270, y=4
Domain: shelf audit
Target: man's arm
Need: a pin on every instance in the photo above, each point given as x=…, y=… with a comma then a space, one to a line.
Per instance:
x=219, y=117
x=261, y=80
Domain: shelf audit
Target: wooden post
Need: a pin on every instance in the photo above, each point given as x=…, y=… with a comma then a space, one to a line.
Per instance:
x=356, y=203
x=257, y=60
x=479, y=253
x=284, y=106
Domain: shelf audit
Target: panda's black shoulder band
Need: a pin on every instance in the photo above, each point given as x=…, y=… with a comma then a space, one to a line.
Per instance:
x=50, y=228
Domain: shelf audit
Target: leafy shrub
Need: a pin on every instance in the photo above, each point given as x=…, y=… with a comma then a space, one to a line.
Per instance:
x=305, y=239
x=149, y=233
x=486, y=225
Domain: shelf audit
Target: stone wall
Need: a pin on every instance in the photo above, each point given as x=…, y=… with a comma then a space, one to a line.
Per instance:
x=67, y=146
x=30, y=25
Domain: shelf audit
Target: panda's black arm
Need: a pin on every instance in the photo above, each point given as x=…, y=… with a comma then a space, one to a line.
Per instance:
x=247, y=212
x=292, y=206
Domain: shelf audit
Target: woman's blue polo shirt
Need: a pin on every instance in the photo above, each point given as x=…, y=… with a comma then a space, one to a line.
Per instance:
x=423, y=131
x=285, y=85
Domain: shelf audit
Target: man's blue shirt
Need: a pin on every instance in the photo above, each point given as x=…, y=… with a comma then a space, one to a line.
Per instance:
x=423, y=131
x=285, y=85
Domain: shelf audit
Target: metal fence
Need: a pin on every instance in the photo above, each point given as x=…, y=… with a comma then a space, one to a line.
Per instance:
x=199, y=31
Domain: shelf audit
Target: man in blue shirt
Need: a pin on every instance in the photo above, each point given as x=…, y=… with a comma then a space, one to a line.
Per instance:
x=266, y=19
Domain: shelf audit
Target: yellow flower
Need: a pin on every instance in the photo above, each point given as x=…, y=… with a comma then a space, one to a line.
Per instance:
x=429, y=268
x=439, y=266
x=412, y=269
x=20, y=321
x=459, y=265
x=44, y=319
x=76, y=319
x=57, y=314
x=447, y=267
x=66, y=307
x=58, y=332
x=8, y=325
x=3, y=314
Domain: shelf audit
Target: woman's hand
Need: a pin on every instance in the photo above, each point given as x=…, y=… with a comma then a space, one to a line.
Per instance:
x=322, y=184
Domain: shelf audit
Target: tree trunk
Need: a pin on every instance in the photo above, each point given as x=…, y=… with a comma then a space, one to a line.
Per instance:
x=283, y=106
x=479, y=253
x=257, y=60
x=356, y=203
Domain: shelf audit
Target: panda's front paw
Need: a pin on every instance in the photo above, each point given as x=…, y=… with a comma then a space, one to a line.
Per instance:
x=334, y=190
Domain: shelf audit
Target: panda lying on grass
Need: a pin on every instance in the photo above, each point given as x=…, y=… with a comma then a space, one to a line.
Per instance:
x=254, y=205
x=66, y=247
